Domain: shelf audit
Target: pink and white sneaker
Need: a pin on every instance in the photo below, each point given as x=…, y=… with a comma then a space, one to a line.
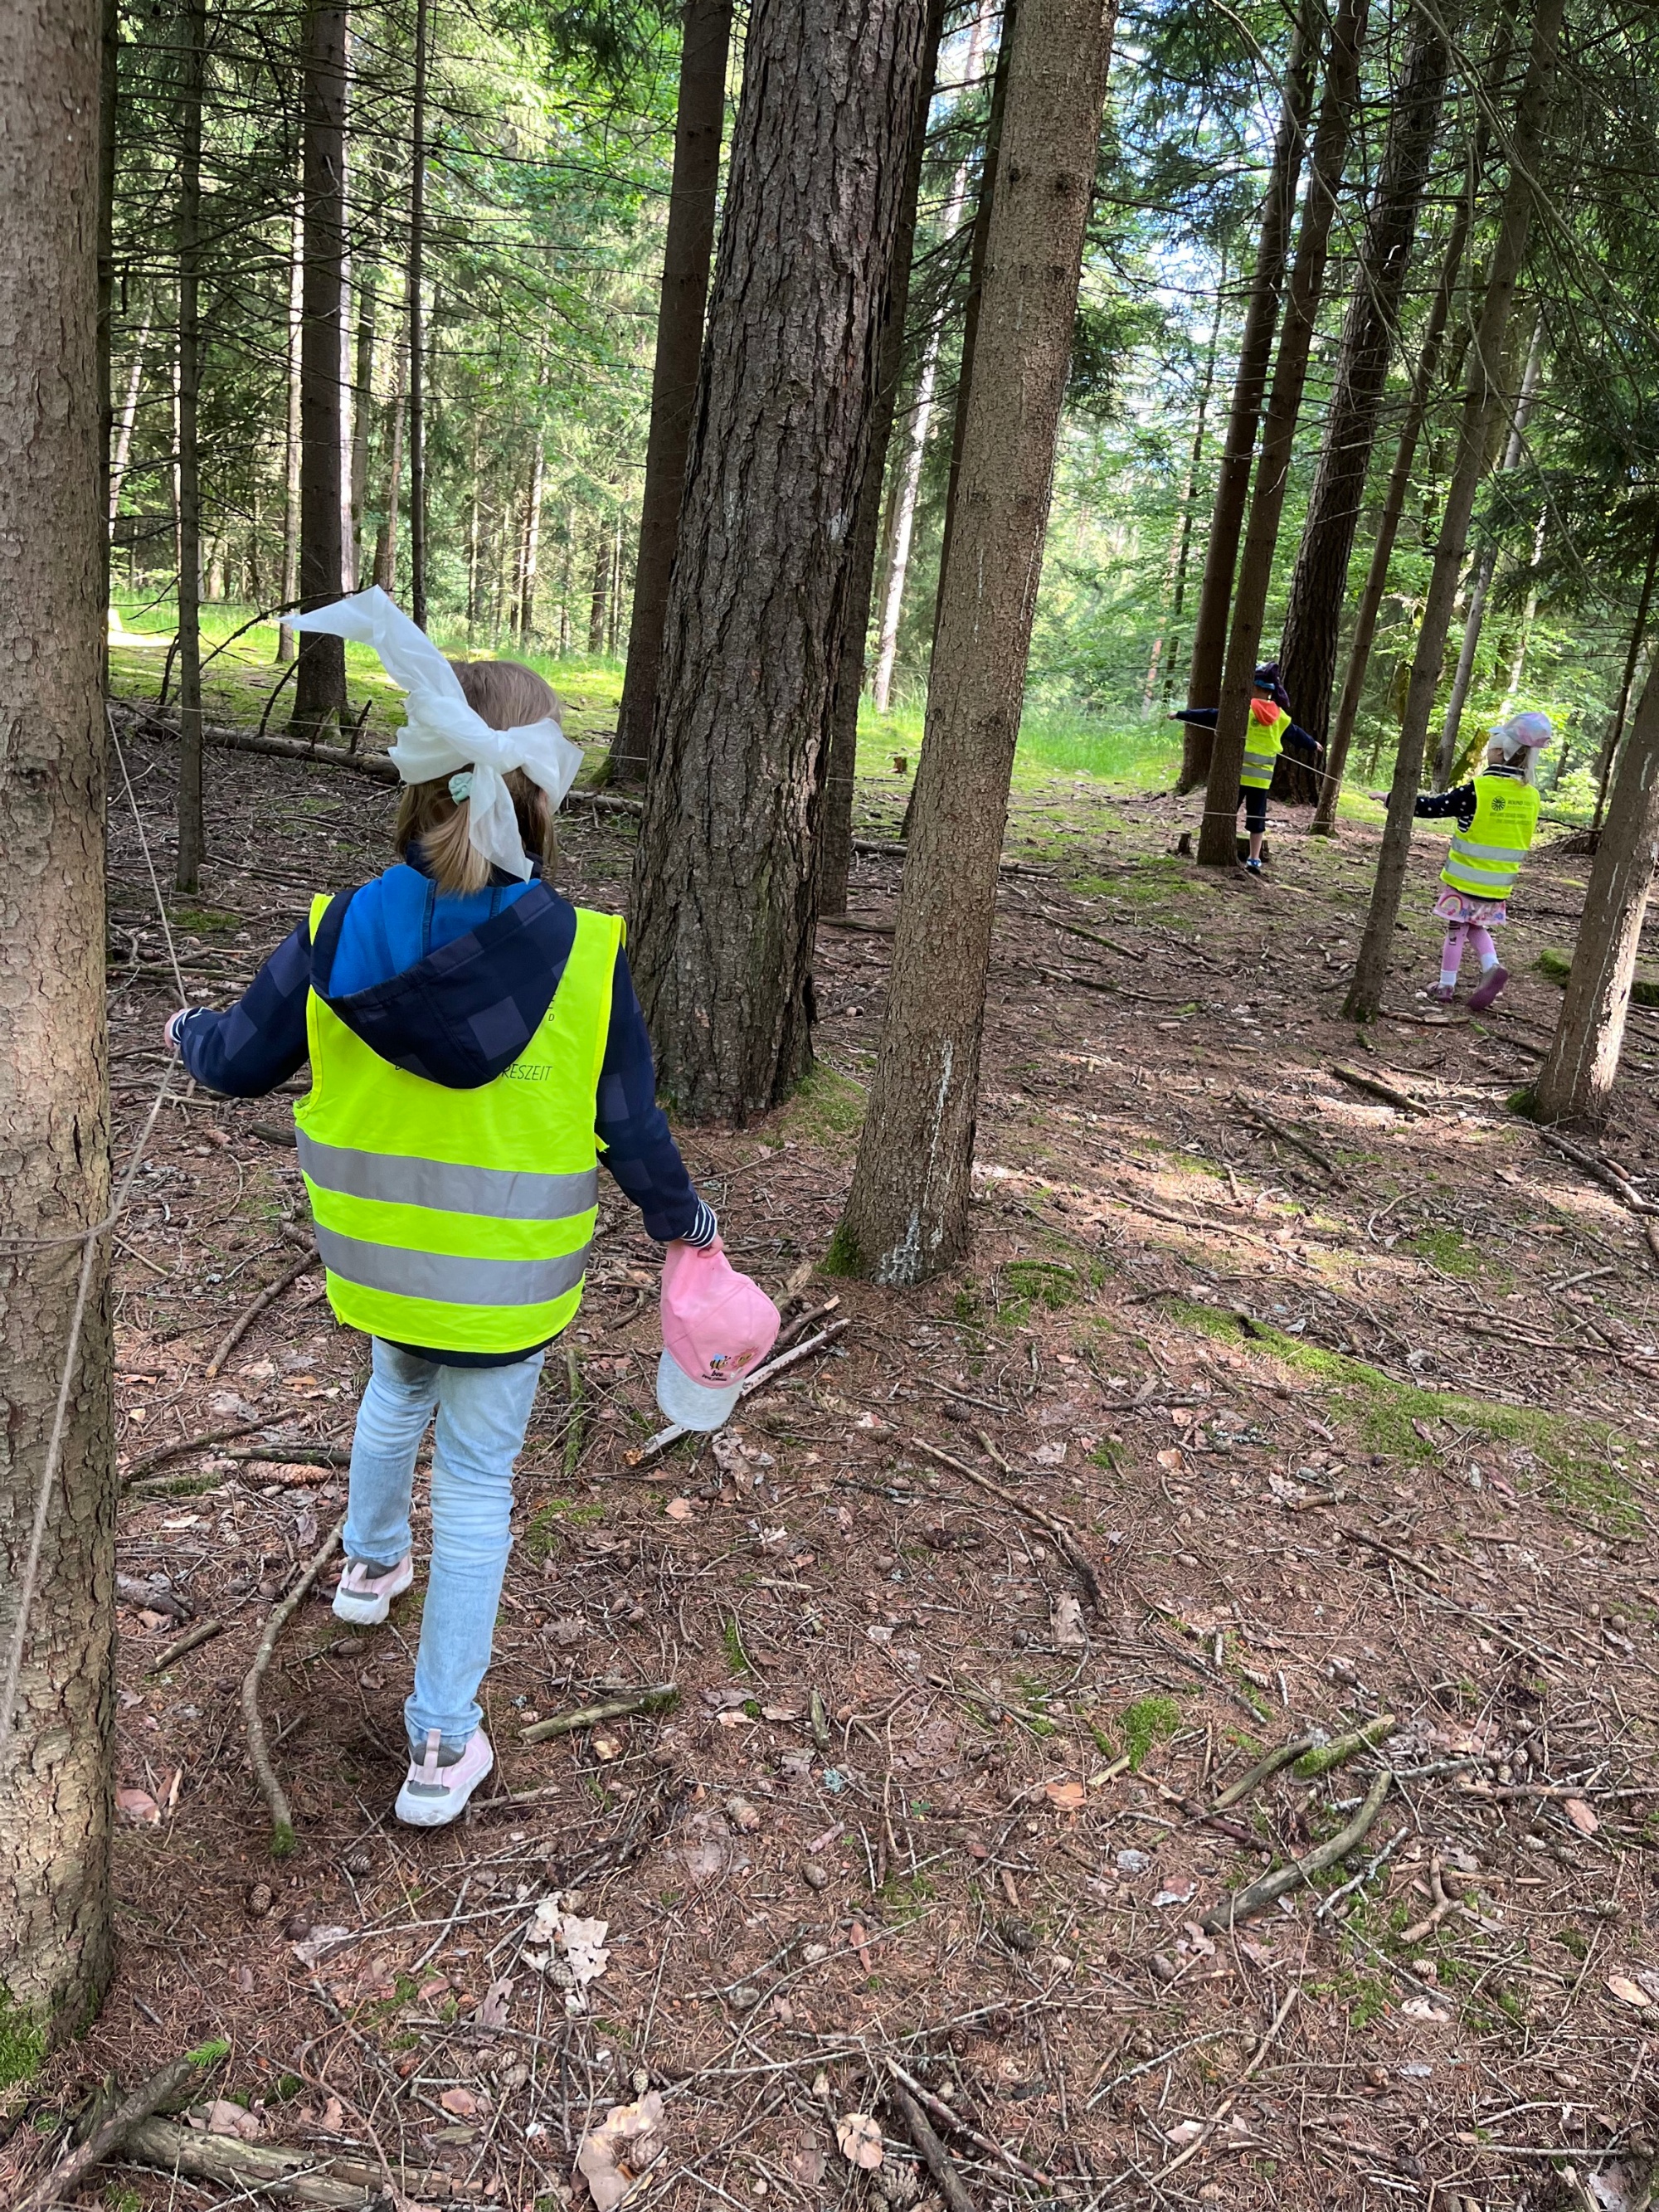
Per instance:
x=1441, y=994
x=439, y=1782
x=1491, y=986
x=364, y=1593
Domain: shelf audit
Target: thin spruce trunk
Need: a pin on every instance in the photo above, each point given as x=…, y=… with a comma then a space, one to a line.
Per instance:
x=1616, y=725
x=532, y=539
x=597, y=597
x=57, y=1933
x=1217, y=839
x=692, y=196
x=417, y=324
x=906, y=1215
x=1388, y=527
x=1575, y=1081
x=841, y=752
x=567, y=577
x=362, y=409
x=296, y=273
x=191, y=33
x=1486, y=568
x=1255, y=349
x=1313, y=615
x=109, y=94
x=319, y=682
x=1482, y=400
x=473, y=526
x=724, y=885
x=125, y=419
x=386, y=542
x=1189, y=497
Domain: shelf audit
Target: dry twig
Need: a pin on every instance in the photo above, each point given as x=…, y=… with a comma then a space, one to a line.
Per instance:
x=1257, y=1896
x=281, y=1819
x=165, y=2087
x=251, y=1311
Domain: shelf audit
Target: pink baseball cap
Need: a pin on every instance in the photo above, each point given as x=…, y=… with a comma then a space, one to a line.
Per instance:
x=1525, y=733
x=717, y=1326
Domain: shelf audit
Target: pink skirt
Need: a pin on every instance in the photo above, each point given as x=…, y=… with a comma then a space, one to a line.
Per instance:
x=1457, y=905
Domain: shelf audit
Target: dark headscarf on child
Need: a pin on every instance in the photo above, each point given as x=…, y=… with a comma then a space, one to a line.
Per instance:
x=1267, y=679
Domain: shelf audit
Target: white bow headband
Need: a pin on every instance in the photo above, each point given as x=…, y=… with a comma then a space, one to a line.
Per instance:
x=443, y=734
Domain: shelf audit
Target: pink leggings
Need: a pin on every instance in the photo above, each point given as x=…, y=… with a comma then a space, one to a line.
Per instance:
x=1479, y=940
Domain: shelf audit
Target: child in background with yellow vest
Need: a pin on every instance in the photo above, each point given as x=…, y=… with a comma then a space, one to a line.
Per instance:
x=1497, y=817
x=475, y=1041
x=1270, y=732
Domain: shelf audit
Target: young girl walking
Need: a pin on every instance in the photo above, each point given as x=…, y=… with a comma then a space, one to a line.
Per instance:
x=1497, y=817
x=1270, y=732
x=475, y=1043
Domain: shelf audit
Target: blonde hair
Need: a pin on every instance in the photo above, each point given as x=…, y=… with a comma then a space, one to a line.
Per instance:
x=508, y=697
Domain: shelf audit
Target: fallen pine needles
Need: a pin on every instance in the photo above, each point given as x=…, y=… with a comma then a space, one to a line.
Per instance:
x=238, y=1328
x=281, y=1819
x=1071, y=1550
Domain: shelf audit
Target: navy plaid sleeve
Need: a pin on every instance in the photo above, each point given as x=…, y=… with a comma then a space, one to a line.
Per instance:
x=1436, y=805
x=261, y=1041
x=640, y=1148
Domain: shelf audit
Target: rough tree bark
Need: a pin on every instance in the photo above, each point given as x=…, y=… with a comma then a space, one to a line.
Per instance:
x=109, y=89
x=1575, y=1081
x=1313, y=617
x=417, y=280
x=1486, y=568
x=1388, y=527
x=1217, y=837
x=190, y=33
x=319, y=682
x=56, y=1937
x=1481, y=399
x=691, y=202
x=1616, y=721
x=907, y=1214
x=841, y=748
x=1255, y=348
x=723, y=878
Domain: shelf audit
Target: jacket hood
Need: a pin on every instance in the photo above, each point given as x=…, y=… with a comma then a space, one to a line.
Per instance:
x=467, y=1009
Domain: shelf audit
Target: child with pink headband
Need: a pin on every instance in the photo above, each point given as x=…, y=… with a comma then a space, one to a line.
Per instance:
x=1497, y=818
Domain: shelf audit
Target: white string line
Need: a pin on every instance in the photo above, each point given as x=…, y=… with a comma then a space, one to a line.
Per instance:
x=90, y=1240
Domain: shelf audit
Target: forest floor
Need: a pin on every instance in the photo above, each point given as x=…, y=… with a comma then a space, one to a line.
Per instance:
x=1347, y=1411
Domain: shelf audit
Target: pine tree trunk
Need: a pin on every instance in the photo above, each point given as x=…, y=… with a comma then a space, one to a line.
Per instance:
x=691, y=203
x=841, y=752
x=532, y=540
x=124, y=421
x=109, y=90
x=1387, y=528
x=1575, y=1081
x=363, y=408
x=596, y=598
x=417, y=280
x=1616, y=724
x=189, y=32
x=55, y=1936
x=1189, y=497
x=1485, y=568
x=319, y=682
x=1481, y=399
x=907, y=1214
x=1313, y=617
x=286, y=638
x=723, y=892
x=1217, y=839
x=386, y=542
x=1255, y=349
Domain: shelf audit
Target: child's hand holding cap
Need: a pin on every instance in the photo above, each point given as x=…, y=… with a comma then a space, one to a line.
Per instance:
x=717, y=1326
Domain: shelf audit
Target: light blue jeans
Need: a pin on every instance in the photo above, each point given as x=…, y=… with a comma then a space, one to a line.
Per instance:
x=482, y=1413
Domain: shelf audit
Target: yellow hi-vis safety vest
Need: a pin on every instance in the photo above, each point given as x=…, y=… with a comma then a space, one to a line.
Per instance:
x=460, y=1219
x=1486, y=859
x=1261, y=749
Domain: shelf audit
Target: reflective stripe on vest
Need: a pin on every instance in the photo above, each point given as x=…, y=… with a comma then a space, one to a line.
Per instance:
x=1262, y=752
x=1484, y=861
x=461, y=1219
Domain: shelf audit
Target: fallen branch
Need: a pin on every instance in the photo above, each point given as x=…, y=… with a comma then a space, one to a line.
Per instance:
x=959, y=2126
x=204, y=1632
x=935, y=2156
x=1076, y=929
x=1065, y=1538
x=167, y=2086
x=280, y=1455
x=1289, y=1136
x=281, y=1819
x=278, y=2171
x=1257, y=1896
x=1236, y=1792
x=849, y=921
x=1322, y=1758
x=801, y=1323
x=228, y=739
x=761, y=1376
x=1374, y=1086
x=1268, y=2039
x=144, y=1467
x=251, y=1312
x=1443, y=1908
x=1605, y=1172
x=660, y=1698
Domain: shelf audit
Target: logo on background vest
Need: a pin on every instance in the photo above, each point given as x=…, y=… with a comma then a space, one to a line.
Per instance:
x=537, y=1072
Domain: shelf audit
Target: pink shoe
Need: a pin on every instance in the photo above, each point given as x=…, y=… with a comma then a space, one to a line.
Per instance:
x=1490, y=987
x=439, y=1782
x=1442, y=995
x=364, y=1593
